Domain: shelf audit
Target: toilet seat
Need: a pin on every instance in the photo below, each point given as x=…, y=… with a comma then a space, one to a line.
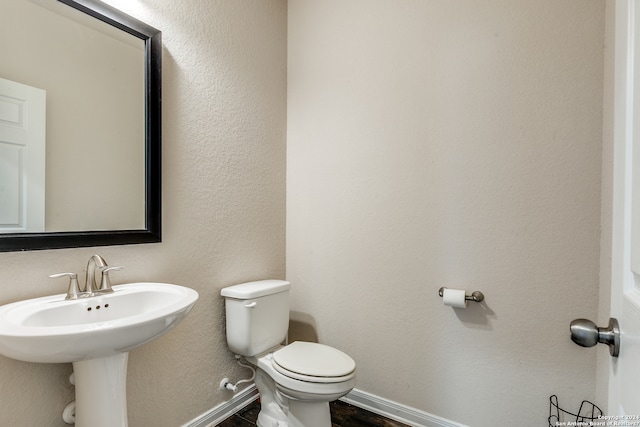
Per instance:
x=313, y=362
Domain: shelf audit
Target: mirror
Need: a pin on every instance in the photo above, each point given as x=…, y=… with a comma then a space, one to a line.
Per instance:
x=98, y=75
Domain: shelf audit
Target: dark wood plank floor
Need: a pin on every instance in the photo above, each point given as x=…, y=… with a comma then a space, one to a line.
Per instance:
x=342, y=415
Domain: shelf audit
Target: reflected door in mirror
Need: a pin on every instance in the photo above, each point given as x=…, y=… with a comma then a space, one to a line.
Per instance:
x=22, y=157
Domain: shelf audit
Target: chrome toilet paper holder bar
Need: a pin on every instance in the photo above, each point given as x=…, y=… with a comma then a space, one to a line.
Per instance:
x=475, y=296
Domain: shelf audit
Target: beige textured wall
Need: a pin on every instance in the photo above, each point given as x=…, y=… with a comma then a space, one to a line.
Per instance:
x=450, y=144
x=224, y=117
x=430, y=143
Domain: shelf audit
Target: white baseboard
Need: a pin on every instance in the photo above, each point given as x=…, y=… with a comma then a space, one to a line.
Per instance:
x=396, y=411
x=359, y=398
x=218, y=414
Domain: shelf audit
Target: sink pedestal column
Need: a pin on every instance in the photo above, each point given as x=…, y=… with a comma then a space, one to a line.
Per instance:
x=101, y=391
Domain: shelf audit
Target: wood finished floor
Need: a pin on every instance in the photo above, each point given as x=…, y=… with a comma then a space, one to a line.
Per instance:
x=342, y=415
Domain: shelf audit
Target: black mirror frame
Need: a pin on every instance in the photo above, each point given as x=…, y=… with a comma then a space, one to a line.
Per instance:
x=153, y=147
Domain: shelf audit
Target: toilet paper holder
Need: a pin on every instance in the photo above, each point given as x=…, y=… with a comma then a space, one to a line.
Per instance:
x=475, y=296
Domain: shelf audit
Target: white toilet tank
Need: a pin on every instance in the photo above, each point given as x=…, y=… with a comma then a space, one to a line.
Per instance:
x=257, y=315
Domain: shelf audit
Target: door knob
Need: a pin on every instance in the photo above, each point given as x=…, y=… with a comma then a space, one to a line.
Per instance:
x=585, y=333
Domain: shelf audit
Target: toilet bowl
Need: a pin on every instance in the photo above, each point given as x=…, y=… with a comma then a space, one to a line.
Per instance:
x=299, y=372
x=296, y=382
x=297, y=389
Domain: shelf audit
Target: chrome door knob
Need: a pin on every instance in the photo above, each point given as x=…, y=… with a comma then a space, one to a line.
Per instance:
x=585, y=333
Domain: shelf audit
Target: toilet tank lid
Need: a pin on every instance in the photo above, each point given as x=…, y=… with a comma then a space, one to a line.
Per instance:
x=255, y=289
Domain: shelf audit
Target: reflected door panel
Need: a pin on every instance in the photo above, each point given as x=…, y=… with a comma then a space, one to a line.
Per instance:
x=22, y=157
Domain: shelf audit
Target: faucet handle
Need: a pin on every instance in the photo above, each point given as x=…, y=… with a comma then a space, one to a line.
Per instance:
x=74, y=289
x=105, y=284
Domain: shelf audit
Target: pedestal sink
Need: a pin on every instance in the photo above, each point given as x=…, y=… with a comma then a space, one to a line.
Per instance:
x=95, y=334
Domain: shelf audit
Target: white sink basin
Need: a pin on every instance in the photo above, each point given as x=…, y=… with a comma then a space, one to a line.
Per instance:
x=54, y=330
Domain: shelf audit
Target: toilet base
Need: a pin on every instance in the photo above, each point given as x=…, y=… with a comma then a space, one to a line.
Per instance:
x=309, y=414
x=278, y=410
x=301, y=414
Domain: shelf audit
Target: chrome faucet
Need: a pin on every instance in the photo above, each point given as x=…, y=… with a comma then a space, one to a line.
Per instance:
x=90, y=286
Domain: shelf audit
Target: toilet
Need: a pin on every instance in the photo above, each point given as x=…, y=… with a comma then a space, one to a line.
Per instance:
x=297, y=381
